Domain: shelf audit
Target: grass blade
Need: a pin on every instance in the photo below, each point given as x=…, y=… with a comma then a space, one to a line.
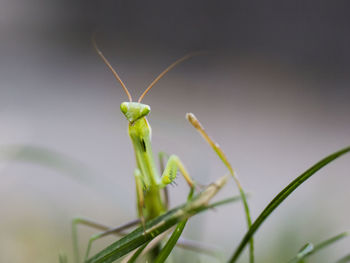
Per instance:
x=281, y=197
x=165, y=252
x=169, y=246
x=160, y=224
x=303, y=252
x=137, y=253
x=330, y=241
x=310, y=249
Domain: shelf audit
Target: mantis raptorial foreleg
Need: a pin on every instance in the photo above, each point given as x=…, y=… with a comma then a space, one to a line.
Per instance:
x=170, y=163
x=169, y=174
x=106, y=231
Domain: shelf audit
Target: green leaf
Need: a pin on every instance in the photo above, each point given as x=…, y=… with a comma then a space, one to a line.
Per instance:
x=160, y=224
x=281, y=197
x=310, y=249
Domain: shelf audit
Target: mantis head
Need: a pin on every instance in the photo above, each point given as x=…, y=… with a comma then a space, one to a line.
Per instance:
x=134, y=110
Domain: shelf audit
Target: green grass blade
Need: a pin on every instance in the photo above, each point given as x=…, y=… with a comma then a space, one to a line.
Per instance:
x=169, y=246
x=224, y=202
x=281, y=197
x=330, y=241
x=303, y=252
x=310, y=249
x=137, y=253
x=160, y=224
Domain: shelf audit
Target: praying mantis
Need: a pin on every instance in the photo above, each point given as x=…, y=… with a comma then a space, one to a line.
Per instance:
x=151, y=202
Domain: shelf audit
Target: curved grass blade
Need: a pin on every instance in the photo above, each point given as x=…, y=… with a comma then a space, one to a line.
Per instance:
x=281, y=197
x=169, y=246
x=160, y=224
x=303, y=252
x=137, y=253
x=310, y=249
x=330, y=241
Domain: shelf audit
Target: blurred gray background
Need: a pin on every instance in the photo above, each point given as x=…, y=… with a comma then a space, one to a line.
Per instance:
x=273, y=90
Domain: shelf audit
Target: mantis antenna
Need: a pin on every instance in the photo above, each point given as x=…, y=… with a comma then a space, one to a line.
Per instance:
x=166, y=71
x=99, y=52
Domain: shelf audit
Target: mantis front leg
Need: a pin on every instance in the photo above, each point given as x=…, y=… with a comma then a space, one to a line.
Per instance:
x=173, y=165
x=169, y=174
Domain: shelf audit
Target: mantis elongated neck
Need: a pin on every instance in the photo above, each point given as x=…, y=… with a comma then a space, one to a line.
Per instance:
x=140, y=134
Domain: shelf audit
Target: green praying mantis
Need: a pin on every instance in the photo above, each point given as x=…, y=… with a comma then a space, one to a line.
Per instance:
x=151, y=191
